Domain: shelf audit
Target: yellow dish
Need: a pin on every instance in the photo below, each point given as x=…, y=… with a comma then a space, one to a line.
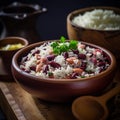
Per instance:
x=12, y=46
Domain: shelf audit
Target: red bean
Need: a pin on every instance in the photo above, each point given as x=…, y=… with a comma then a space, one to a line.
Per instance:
x=82, y=56
x=75, y=52
x=54, y=64
x=28, y=71
x=45, y=69
x=107, y=59
x=65, y=54
x=23, y=68
x=33, y=67
x=101, y=69
x=101, y=63
x=83, y=65
x=36, y=52
x=94, y=60
x=51, y=57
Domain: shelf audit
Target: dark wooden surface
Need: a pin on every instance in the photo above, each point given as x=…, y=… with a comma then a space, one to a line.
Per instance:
x=19, y=105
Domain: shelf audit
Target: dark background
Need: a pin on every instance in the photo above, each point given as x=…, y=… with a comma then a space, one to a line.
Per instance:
x=52, y=24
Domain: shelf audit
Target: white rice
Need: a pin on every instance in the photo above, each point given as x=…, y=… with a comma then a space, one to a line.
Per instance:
x=98, y=19
x=65, y=68
x=60, y=59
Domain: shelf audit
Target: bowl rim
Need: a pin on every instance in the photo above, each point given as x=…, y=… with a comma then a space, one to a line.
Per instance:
x=15, y=64
x=83, y=10
x=25, y=42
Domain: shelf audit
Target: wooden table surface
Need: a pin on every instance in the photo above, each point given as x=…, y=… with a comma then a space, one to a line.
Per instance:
x=17, y=104
x=20, y=105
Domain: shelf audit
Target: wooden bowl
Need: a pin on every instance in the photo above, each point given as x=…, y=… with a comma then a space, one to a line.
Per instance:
x=6, y=55
x=109, y=39
x=61, y=90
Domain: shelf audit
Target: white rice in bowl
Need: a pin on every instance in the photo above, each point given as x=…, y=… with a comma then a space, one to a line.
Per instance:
x=98, y=19
x=65, y=60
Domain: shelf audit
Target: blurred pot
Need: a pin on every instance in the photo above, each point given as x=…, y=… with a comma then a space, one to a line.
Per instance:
x=20, y=20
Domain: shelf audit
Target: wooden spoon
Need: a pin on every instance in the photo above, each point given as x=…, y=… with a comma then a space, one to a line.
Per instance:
x=91, y=107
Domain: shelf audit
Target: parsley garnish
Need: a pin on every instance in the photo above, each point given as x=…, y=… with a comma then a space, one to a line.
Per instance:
x=61, y=46
x=50, y=73
x=62, y=39
x=73, y=44
x=54, y=44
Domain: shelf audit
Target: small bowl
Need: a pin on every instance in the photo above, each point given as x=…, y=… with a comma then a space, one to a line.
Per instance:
x=108, y=39
x=6, y=55
x=61, y=90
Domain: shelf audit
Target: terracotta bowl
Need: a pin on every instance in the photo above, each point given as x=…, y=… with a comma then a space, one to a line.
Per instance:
x=6, y=55
x=109, y=39
x=61, y=90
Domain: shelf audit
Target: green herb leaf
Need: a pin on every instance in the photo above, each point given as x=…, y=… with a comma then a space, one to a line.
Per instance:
x=73, y=44
x=50, y=73
x=82, y=76
x=54, y=44
x=56, y=50
x=62, y=39
x=61, y=46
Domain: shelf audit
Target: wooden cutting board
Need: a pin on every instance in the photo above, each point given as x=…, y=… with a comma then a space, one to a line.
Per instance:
x=17, y=104
x=20, y=105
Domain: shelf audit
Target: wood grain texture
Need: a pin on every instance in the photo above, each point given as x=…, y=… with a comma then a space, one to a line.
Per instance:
x=19, y=102
x=9, y=105
x=20, y=105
